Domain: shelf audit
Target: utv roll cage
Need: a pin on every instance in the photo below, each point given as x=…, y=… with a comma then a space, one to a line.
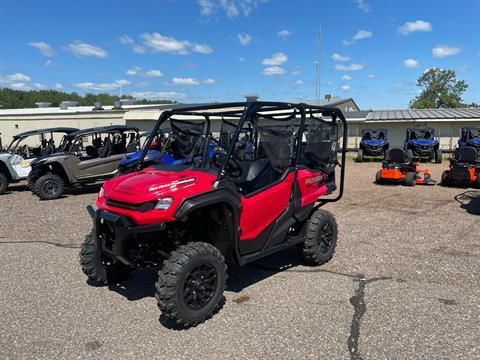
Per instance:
x=470, y=132
x=240, y=112
x=374, y=134
x=42, y=132
x=420, y=133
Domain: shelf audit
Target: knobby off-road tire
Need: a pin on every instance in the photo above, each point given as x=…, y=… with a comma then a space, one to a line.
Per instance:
x=438, y=156
x=31, y=179
x=91, y=263
x=49, y=187
x=190, y=285
x=410, y=179
x=360, y=156
x=3, y=183
x=320, y=238
x=378, y=177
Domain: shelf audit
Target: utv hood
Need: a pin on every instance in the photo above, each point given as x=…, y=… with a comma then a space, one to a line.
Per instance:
x=152, y=184
x=373, y=142
x=424, y=142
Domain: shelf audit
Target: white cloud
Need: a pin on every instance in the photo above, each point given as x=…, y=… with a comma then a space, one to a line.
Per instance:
x=346, y=77
x=362, y=5
x=284, y=34
x=44, y=48
x=81, y=49
x=89, y=86
x=184, y=81
x=463, y=68
x=153, y=73
x=159, y=43
x=244, y=39
x=39, y=86
x=232, y=8
x=414, y=26
x=162, y=95
x=209, y=81
x=202, y=48
x=139, y=49
x=296, y=72
x=273, y=70
x=351, y=67
x=345, y=87
x=125, y=39
x=298, y=82
x=362, y=34
x=241, y=59
x=134, y=70
x=411, y=63
x=48, y=62
x=442, y=51
x=20, y=86
x=18, y=77
x=58, y=86
x=337, y=57
x=371, y=76
x=278, y=58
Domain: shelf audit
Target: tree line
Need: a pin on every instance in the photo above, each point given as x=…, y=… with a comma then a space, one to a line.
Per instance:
x=16, y=99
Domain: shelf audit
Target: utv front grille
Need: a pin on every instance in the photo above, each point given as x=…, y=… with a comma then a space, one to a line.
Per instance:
x=144, y=207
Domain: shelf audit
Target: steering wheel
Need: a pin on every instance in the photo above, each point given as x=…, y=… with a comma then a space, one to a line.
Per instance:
x=232, y=166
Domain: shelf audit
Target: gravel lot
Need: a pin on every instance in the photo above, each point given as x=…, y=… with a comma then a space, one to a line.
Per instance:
x=404, y=283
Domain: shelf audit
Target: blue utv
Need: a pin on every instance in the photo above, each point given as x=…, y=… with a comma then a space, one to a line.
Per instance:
x=470, y=137
x=374, y=144
x=421, y=144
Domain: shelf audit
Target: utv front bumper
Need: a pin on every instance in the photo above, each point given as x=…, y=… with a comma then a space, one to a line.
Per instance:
x=115, y=231
x=373, y=150
x=423, y=152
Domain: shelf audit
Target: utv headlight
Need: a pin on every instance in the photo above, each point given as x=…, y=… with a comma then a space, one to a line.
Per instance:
x=101, y=193
x=163, y=203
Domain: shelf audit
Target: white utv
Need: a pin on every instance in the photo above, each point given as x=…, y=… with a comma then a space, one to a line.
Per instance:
x=15, y=161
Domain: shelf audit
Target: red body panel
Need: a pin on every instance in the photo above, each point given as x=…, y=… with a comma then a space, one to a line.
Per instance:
x=312, y=185
x=392, y=174
x=260, y=210
x=150, y=185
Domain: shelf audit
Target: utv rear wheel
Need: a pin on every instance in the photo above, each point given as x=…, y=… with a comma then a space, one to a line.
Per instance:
x=360, y=155
x=321, y=238
x=49, y=187
x=3, y=183
x=191, y=283
x=92, y=266
x=410, y=179
x=378, y=177
x=438, y=156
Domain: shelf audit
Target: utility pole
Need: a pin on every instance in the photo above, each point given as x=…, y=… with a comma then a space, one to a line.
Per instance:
x=318, y=66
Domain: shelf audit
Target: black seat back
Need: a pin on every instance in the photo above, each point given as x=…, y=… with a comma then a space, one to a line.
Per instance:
x=466, y=154
x=397, y=155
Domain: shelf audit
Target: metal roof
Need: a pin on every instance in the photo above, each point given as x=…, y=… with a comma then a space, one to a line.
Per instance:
x=472, y=113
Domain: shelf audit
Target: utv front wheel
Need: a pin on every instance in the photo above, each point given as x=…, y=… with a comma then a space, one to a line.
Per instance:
x=360, y=155
x=3, y=183
x=446, y=178
x=438, y=156
x=49, y=187
x=92, y=266
x=321, y=238
x=191, y=283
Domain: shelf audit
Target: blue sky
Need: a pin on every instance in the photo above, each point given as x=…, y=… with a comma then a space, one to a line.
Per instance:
x=196, y=51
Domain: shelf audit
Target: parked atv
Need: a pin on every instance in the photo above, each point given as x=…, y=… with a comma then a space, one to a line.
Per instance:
x=464, y=168
x=398, y=167
x=374, y=144
x=470, y=137
x=88, y=156
x=26, y=147
x=190, y=220
x=421, y=144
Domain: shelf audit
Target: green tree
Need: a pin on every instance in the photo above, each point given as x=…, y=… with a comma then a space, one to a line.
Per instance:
x=441, y=89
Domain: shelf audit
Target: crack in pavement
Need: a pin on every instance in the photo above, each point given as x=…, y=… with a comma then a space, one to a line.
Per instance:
x=65, y=246
x=359, y=309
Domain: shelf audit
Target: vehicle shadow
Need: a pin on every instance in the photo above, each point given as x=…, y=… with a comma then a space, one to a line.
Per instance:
x=470, y=201
x=141, y=283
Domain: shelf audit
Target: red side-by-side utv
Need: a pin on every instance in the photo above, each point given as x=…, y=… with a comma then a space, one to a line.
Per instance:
x=259, y=195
